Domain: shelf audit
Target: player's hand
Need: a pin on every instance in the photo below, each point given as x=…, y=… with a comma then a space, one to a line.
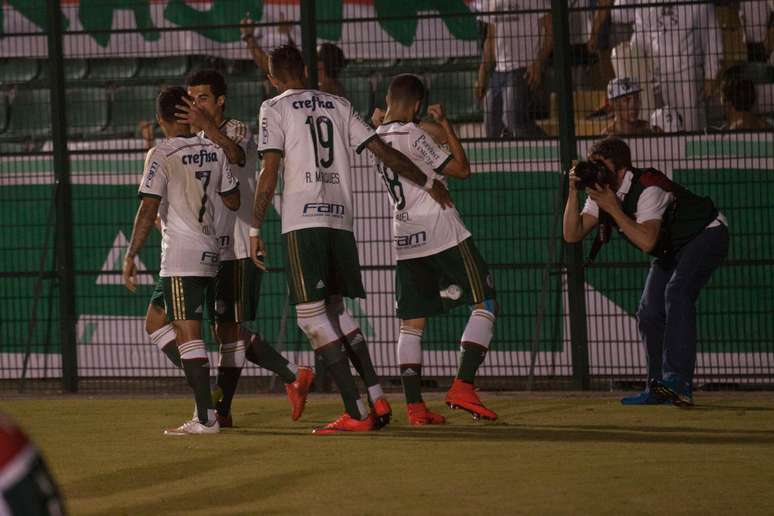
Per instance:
x=604, y=197
x=129, y=273
x=436, y=111
x=378, y=117
x=479, y=90
x=246, y=28
x=591, y=44
x=572, y=180
x=534, y=75
x=258, y=252
x=441, y=195
x=193, y=115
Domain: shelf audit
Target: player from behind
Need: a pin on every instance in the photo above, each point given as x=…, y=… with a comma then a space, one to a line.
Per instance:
x=312, y=132
x=184, y=175
x=438, y=266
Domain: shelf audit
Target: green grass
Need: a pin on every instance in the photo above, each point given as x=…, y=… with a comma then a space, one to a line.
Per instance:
x=548, y=454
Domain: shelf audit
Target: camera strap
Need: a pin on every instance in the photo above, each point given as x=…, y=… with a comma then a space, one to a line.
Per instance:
x=604, y=230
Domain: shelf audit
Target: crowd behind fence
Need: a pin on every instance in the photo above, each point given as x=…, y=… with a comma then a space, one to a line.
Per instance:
x=690, y=85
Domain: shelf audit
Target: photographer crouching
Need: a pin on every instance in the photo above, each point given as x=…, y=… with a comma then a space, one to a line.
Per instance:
x=686, y=235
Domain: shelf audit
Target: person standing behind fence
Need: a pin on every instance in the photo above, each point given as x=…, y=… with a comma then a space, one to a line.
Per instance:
x=623, y=93
x=686, y=235
x=517, y=44
x=184, y=174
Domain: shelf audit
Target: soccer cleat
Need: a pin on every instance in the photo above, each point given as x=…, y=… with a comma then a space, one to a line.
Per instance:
x=382, y=412
x=346, y=423
x=650, y=396
x=678, y=392
x=192, y=427
x=298, y=391
x=418, y=414
x=225, y=421
x=462, y=395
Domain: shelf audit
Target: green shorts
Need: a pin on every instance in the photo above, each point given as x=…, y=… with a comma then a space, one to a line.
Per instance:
x=235, y=291
x=434, y=284
x=184, y=297
x=320, y=263
x=157, y=297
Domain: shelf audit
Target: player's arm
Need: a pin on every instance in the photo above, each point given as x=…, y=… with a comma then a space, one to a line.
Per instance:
x=396, y=161
x=458, y=166
x=264, y=194
x=259, y=56
x=487, y=62
x=144, y=221
x=193, y=115
x=534, y=73
x=575, y=225
x=232, y=199
x=601, y=15
x=435, y=130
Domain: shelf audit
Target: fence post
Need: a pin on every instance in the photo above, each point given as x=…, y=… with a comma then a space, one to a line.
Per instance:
x=568, y=152
x=65, y=270
x=309, y=40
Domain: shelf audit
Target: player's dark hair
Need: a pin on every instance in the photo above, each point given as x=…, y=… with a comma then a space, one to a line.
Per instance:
x=332, y=59
x=211, y=78
x=287, y=63
x=406, y=89
x=614, y=149
x=740, y=93
x=168, y=98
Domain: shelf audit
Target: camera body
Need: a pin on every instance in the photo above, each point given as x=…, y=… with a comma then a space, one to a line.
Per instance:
x=592, y=174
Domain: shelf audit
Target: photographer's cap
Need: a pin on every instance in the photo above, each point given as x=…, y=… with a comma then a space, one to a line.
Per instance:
x=622, y=86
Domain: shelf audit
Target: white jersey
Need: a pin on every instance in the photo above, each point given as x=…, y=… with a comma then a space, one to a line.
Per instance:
x=187, y=174
x=314, y=132
x=420, y=226
x=517, y=34
x=232, y=227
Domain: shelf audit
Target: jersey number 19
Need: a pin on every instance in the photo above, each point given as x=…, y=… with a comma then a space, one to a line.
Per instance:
x=321, y=131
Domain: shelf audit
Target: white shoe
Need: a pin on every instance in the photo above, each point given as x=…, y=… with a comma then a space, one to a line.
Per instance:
x=194, y=427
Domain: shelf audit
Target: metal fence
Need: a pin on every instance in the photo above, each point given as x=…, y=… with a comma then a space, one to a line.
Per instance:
x=78, y=83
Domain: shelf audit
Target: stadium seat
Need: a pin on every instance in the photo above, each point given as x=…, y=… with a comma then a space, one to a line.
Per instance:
x=244, y=100
x=30, y=112
x=3, y=112
x=455, y=91
x=368, y=66
x=129, y=106
x=15, y=70
x=359, y=93
x=110, y=69
x=172, y=66
x=74, y=69
x=87, y=110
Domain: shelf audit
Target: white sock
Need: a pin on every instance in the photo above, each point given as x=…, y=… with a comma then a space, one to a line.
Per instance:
x=479, y=329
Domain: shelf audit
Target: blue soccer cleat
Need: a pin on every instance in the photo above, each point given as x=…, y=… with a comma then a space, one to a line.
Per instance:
x=679, y=392
x=650, y=396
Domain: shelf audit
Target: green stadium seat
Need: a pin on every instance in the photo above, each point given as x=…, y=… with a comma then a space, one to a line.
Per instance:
x=243, y=101
x=15, y=70
x=455, y=91
x=173, y=66
x=113, y=69
x=74, y=69
x=368, y=66
x=129, y=106
x=359, y=93
x=87, y=110
x=3, y=112
x=30, y=112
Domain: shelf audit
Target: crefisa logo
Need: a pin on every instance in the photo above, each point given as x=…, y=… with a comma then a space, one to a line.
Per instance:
x=201, y=157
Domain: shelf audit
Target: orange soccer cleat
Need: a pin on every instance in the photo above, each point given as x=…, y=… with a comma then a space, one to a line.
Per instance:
x=298, y=391
x=462, y=395
x=346, y=423
x=418, y=414
x=382, y=412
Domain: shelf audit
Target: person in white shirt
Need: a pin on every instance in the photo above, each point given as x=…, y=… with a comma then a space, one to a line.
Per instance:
x=756, y=18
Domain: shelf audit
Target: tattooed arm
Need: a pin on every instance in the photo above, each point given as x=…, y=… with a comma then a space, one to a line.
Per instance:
x=144, y=221
x=264, y=194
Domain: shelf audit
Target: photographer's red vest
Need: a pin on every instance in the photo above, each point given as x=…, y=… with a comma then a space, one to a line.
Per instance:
x=685, y=217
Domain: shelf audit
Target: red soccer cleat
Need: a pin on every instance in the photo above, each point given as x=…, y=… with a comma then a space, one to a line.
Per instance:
x=382, y=412
x=346, y=423
x=418, y=414
x=462, y=395
x=298, y=390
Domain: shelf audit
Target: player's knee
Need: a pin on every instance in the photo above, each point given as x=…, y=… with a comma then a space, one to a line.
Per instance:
x=155, y=319
x=313, y=320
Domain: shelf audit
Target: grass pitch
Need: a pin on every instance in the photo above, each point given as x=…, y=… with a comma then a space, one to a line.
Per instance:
x=548, y=454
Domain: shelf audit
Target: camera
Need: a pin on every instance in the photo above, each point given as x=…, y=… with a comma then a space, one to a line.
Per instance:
x=592, y=174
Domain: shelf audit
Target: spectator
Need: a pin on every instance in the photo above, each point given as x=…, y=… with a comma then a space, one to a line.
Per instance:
x=755, y=16
x=684, y=44
x=516, y=47
x=330, y=62
x=250, y=36
x=667, y=120
x=623, y=94
x=581, y=17
x=738, y=99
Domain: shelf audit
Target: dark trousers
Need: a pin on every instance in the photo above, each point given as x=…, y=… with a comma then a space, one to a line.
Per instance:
x=507, y=106
x=666, y=317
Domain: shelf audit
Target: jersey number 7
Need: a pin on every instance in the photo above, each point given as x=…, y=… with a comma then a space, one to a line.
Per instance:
x=203, y=174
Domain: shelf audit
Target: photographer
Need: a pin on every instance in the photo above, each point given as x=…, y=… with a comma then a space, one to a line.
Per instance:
x=686, y=235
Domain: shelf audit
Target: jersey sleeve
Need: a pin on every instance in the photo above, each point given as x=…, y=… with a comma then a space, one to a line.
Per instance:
x=228, y=181
x=360, y=133
x=272, y=134
x=240, y=134
x=424, y=148
x=590, y=208
x=154, y=176
x=652, y=204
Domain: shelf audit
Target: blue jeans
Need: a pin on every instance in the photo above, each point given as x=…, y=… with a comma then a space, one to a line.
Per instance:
x=666, y=317
x=507, y=106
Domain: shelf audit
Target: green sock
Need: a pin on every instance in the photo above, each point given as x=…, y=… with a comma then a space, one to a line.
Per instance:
x=357, y=351
x=337, y=365
x=173, y=354
x=197, y=372
x=471, y=357
x=411, y=378
x=260, y=353
x=228, y=377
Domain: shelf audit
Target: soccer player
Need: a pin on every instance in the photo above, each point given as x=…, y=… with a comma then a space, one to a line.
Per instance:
x=439, y=266
x=234, y=299
x=183, y=175
x=312, y=131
